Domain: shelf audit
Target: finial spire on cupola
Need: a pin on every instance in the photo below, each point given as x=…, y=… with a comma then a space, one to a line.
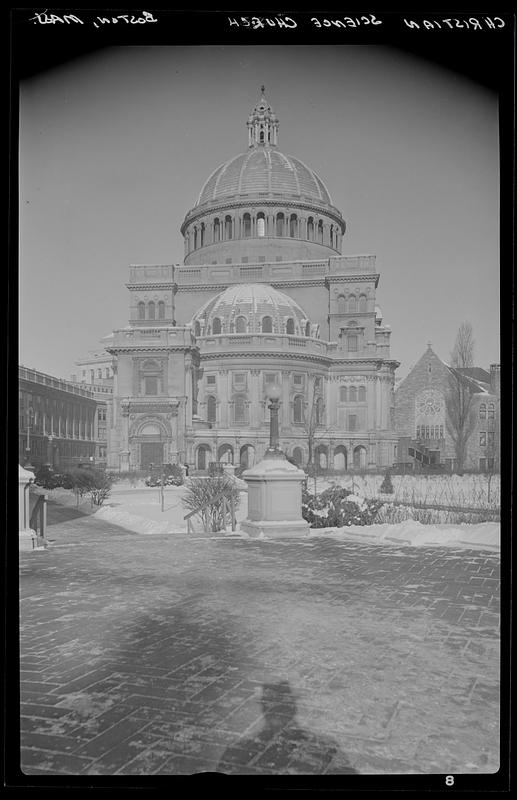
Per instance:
x=262, y=124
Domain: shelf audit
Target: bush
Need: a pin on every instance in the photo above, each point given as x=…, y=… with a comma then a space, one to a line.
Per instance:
x=331, y=509
x=100, y=486
x=48, y=479
x=202, y=491
x=386, y=485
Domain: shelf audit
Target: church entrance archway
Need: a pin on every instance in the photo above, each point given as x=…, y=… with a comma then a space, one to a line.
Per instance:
x=151, y=453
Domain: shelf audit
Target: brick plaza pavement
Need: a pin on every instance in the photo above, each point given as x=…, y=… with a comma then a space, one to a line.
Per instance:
x=167, y=655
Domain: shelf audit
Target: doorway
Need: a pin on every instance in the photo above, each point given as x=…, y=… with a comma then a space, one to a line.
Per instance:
x=151, y=453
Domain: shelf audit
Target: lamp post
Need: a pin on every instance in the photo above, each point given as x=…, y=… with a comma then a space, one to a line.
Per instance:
x=273, y=395
x=30, y=418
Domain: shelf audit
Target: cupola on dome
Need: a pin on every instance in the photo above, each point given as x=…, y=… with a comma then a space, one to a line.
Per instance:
x=252, y=308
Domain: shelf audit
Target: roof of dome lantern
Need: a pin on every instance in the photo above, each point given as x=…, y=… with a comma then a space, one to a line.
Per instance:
x=252, y=301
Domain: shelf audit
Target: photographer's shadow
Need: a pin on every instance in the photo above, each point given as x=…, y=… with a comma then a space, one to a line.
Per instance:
x=281, y=746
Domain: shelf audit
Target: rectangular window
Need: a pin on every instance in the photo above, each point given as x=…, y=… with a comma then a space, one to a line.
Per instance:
x=441, y=431
x=352, y=422
x=482, y=464
x=352, y=344
x=239, y=380
x=491, y=412
x=482, y=439
x=151, y=386
x=210, y=380
x=427, y=431
x=491, y=463
x=490, y=438
x=298, y=381
x=418, y=431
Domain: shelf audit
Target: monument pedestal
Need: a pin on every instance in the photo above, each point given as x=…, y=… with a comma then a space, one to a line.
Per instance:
x=274, y=499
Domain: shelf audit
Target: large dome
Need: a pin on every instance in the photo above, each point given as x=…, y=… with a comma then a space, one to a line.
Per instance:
x=267, y=172
x=252, y=308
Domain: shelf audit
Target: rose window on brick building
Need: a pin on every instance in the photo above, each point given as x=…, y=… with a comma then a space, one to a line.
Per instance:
x=430, y=415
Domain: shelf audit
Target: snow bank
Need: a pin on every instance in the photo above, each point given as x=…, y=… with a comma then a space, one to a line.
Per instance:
x=135, y=523
x=485, y=535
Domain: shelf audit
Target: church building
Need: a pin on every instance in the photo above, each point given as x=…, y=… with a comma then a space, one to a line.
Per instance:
x=264, y=297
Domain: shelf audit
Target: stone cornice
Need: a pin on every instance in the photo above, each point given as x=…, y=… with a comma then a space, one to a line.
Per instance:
x=266, y=354
x=351, y=278
x=282, y=201
x=164, y=286
x=153, y=348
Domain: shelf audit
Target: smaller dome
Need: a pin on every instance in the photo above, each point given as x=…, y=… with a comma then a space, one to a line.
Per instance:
x=252, y=308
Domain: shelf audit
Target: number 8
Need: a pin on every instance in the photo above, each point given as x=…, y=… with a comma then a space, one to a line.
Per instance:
x=449, y=780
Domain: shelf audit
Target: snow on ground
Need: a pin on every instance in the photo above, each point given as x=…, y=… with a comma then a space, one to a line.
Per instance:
x=138, y=509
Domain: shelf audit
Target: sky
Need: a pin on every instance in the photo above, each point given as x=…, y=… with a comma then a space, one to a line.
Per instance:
x=115, y=147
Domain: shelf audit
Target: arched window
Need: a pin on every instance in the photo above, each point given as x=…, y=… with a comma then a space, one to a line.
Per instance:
x=216, y=325
x=246, y=226
x=211, y=408
x=151, y=310
x=141, y=310
x=353, y=394
x=197, y=329
x=289, y=327
x=307, y=328
x=293, y=226
x=267, y=325
x=310, y=229
x=161, y=309
x=261, y=225
x=297, y=455
x=361, y=395
x=217, y=230
x=320, y=231
x=352, y=304
x=280, y=224
x=491, y=411
x=195, y=238
x=228, y=227
x=298, y=408
x=202, y=235
x=203, y=454
x=239, y=409
x=352, y=344
x=341, y=304
x=241, y=325
x=261, y=136
x=332, y=236
x=343, y=394
x=482, y=411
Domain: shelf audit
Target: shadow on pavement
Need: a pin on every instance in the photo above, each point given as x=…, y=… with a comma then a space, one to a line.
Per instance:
x=292, y=749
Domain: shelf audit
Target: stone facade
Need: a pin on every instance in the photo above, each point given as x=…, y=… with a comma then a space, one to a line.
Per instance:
x=421, y=414
x=264, y=296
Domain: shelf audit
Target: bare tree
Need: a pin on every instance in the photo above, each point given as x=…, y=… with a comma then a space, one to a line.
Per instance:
x=313, y=419
x=462, y=354
x=461, y=415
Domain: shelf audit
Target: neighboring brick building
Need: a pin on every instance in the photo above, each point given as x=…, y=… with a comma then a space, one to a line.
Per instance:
x=421, y=414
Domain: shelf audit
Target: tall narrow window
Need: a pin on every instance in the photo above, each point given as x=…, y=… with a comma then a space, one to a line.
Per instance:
x=228, y=227
x=216, y=325
x=246, y=223
x=341, y=305
x=240, y=325
x=352, y=344
x=202, y=235
x=197, y=329
x=310, y=229
x=307, y=328
x=491, y=411
x=289, y=328
x=352, y=304
x=211, y=409
x=293, y=226
x=343, y=394
x=332, y=236
x=362, y=303
x=151, y=386
x=261, y=225
x=353, y=394
x=482, y=411
x=320, y=231
x=298, y=408
x=151, y=311
x=280, y=224
x=141, y=314
x=195, y=238
x=361, y=396
x=161, y=310
x=217, y=230
x=267, y=325
x=239, y=409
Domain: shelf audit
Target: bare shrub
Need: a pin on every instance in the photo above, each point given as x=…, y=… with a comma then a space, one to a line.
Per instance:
x=206, y=497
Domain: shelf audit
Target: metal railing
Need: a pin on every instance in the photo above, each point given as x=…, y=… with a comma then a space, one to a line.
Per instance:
x=38, y=519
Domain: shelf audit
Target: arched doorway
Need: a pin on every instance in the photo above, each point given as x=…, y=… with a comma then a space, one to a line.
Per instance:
x=203, y=456
x=321, y=457
x=247, y=456
x=225, y=453
x=360, y=457
x=340, y=458
x=298, y=456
